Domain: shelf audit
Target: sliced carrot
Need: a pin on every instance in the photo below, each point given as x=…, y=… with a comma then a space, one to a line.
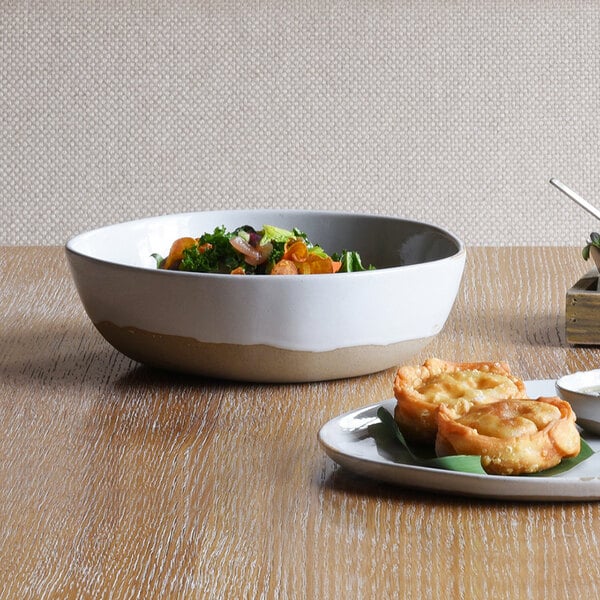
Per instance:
x=296, y=251
x=319, y=264
x=238, y=271
x=304, y=268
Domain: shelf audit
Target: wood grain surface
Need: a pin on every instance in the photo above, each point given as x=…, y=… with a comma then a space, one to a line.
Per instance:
x=118, y=481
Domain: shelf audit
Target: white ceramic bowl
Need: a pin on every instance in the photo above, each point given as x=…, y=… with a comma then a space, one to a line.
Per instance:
x=270, y=328
x=582, y=391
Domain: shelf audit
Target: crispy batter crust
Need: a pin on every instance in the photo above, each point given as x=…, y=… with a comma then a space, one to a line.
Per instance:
x=421, y=390
x=512, y=436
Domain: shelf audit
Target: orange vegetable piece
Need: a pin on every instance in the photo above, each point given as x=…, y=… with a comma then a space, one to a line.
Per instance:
x=176, y=251
x=297, y=251
x=319, y=264
x=284, y=267
x=238, y=271
x=303, y=268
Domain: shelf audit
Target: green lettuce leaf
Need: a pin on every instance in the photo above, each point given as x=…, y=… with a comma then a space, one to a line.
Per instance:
x=351, y=262
x=271, y=233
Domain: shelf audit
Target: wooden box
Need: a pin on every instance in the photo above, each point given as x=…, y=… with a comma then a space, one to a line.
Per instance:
x=583, y=311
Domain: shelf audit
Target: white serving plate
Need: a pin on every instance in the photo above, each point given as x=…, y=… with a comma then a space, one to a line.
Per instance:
x=346, y=440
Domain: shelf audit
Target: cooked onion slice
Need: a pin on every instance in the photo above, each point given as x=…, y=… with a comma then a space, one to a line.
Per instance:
x=253, y=256
x=264, y=251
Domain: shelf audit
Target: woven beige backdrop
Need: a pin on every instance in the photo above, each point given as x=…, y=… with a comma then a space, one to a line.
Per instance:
x=457, y=113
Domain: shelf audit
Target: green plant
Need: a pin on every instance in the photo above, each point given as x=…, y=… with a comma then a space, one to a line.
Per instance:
x=593, y=241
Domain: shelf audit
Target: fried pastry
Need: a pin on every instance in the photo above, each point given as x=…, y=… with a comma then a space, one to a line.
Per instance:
x=512, y=436
x=420, y=391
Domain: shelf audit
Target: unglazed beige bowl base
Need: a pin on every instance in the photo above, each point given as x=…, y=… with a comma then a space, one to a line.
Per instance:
x=259, y=363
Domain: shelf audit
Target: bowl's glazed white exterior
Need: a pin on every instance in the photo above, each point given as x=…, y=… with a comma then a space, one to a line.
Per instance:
x=270, y=328
x=582, y=391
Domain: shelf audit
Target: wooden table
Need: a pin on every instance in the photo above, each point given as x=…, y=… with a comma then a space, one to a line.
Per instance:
x=117, y=481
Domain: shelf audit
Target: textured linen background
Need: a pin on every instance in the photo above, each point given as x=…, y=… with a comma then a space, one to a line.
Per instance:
x=456, y=113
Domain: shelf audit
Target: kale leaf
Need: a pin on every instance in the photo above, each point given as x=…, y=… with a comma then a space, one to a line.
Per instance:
x=221, y=257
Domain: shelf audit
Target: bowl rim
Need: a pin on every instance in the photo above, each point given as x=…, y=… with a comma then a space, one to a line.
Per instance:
x=565, y=383
x=70, y=245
